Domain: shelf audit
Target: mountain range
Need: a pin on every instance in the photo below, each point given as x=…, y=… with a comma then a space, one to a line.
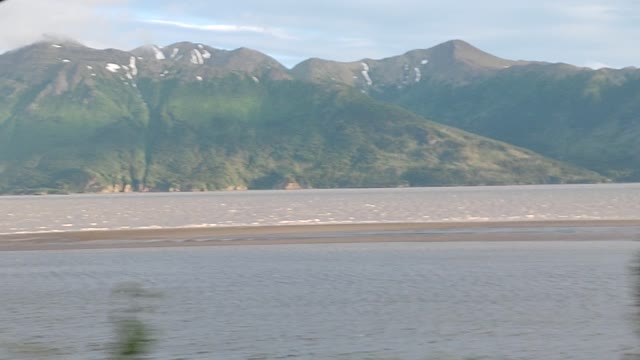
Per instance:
x=189, y=117
x=589, y=118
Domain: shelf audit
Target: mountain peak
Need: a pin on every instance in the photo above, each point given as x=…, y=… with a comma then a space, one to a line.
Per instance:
x=459, y=51
x=458, y=44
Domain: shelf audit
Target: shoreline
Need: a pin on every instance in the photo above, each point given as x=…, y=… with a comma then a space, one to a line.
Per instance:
x=569, y=230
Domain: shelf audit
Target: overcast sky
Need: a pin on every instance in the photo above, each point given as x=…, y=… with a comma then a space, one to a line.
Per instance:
x=580, y=32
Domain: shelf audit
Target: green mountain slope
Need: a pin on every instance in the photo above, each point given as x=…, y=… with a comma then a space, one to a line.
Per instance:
x=585, y=117
x=589, y=118
x=74, y=119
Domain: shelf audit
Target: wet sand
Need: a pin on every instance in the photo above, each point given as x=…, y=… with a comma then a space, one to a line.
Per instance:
x=328, y=234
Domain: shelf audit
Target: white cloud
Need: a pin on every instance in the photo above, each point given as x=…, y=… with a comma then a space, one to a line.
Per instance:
x=26, y=21
x=595, y=65
x=221, y=28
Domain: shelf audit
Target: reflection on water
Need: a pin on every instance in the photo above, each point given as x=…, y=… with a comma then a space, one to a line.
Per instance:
x=512, y=301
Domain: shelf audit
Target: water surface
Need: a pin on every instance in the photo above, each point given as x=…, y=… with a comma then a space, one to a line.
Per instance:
x=521, y=300
x=158, y=210
x=493, y=300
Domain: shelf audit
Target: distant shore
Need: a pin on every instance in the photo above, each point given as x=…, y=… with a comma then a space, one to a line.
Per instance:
x=327, y=234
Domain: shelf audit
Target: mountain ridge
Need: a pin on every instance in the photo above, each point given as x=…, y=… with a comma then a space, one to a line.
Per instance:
x=75, y=119
x=451, y=61
x=461, y=49
x=454, y=61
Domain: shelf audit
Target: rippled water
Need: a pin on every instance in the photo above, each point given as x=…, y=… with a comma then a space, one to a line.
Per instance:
x=495, y=300
x=526, y=301
x=554, y=202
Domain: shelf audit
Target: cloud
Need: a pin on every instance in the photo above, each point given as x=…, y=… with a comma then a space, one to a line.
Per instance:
x=221, y=28
x=595, y=65
x=26, y=21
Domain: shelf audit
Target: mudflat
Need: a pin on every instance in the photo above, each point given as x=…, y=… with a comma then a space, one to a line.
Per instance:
x=331, y=233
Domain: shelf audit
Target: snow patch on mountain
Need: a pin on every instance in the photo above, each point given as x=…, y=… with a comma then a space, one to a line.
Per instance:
x=365, y=73
x=196, y=57
x=113, y=67
x=158, y=53
x=133, y=66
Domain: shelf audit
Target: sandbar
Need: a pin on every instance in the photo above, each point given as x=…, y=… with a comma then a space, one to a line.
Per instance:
x=572, y=230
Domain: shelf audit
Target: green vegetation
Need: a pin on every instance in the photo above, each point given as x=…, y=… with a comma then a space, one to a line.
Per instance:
x=71, y=127
x=588, y=118
x=234, y=133
x=581, y=116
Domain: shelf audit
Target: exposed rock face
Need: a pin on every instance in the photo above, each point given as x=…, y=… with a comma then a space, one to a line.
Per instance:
x=117, y=188
x=292, y=186
x=236, y=188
